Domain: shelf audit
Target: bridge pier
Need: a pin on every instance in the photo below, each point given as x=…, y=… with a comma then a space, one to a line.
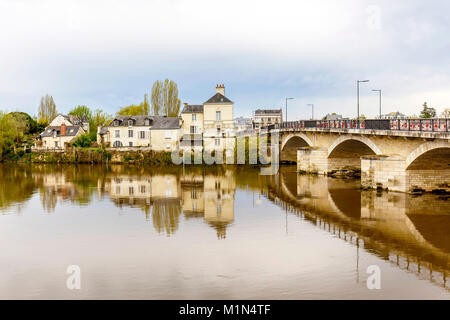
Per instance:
x=384, y=172
x=312, y=160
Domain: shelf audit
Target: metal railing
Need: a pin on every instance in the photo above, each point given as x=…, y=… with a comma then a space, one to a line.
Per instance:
x=426, y=125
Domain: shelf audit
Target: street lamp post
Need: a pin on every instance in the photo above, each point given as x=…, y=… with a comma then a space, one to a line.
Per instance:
x=312, y=110
x=286, y=107
x=357, y=94
x=379, y=95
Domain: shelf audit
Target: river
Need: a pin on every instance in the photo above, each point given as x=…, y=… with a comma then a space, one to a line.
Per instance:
x=215, y=233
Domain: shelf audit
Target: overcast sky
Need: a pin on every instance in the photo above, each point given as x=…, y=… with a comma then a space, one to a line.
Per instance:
x=107, y=54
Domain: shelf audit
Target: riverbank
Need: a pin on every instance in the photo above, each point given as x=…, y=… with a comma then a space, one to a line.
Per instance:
x=101, y=156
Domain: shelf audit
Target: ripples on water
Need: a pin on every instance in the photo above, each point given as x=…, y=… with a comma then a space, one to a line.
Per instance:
x=213, y=233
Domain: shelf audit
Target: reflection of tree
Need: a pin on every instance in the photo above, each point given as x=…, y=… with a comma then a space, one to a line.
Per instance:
x=166, y=217
x=17, y=185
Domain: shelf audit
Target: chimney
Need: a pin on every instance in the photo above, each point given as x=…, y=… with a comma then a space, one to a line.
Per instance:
x=220, y=88
x=63, y=129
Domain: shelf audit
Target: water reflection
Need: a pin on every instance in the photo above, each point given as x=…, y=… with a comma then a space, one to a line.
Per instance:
x=410, y=231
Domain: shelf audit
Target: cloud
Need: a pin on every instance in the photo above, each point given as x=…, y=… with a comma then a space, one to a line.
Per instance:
x=108, y=53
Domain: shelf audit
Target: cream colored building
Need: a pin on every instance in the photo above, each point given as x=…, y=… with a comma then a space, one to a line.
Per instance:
x=263, y=118
x=62, y=131
x=213, y=121
x=158, y=133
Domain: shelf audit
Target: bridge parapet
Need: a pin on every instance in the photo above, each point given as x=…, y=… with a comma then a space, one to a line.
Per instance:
x=417, y=128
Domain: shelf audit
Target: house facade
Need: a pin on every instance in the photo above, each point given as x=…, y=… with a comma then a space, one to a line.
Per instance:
x=212, y=123
x=62, y=131
x=262, y=118
x=158, y=133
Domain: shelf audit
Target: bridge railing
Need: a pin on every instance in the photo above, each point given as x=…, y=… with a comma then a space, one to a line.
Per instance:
x=428, y=125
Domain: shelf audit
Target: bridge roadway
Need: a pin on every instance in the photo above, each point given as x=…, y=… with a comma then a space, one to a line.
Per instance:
x=399, y=155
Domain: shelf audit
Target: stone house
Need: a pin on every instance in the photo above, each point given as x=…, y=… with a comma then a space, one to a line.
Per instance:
x=62, y=131
x=212, y=123
x=158, y=133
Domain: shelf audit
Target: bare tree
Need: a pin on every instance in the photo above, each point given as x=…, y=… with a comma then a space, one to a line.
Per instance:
x=157, y=97
x=146, y=105
x=47, y=109
x=165, y=98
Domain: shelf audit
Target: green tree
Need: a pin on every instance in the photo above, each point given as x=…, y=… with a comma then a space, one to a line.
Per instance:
x=99, y=119
x=82, y=112
x=85, y=140
x=165, y=98
x=132, y=110
x=427, y=112
x=47, y=110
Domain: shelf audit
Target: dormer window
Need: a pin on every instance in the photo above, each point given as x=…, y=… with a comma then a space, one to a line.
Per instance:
x=116, y=123
x=130, y=123
x=147, y=122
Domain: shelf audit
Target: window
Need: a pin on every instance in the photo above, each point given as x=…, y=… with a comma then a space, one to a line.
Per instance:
x=194, y=194
x=116, y=123
x=56, y=144
x=217, y=115
x=117, y=144
x=194, y=117
x=130, y=190
x=147, y=122
x=117, y=133
x=218, y=130
x=142, y=189
x=217, y=142
x=130, y=123
x=193, y=129
x=142, y=134
x=130, y=144
x=117, y=189
x=167, y=134
x=130, y=133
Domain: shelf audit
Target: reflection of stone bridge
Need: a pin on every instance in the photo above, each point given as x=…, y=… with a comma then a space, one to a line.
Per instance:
x=401, y=157
x=395, y=226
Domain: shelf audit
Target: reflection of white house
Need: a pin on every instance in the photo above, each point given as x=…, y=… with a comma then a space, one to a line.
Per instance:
x=62, y=131
x=159, y=133
x=142, y=189
x=211, y=198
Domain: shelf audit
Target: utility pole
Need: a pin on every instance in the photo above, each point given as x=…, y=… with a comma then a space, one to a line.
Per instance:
x=286, y=107
x=312, y=110
x=379, y=94
x=357, y=95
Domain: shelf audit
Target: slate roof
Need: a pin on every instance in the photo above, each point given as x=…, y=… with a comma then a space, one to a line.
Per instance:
x=156, y=122
x=160, y=122
x=75, y=120
x=70, y=131
x=218, y=98
x=137, y=120
x=193, y=108
x=267, y=111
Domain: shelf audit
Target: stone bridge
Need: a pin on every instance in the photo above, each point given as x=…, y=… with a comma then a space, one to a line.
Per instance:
x=397, y=226
x=399, y=155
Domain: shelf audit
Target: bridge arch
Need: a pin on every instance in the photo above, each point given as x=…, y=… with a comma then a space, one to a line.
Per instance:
x=363, y=140
x=291, y=143
x=430, y=155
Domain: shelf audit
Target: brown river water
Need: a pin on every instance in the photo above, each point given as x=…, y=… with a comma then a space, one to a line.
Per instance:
x=215, y=233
